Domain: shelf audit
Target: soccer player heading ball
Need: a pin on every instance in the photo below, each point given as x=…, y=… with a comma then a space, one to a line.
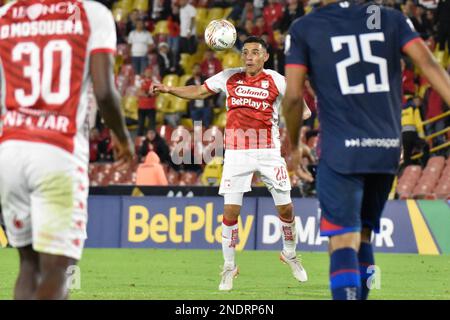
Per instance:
x=252, y=144
x=351, y=53
x=48, y=58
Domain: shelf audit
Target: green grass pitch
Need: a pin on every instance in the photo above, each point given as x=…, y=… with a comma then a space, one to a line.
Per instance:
x=159, y=274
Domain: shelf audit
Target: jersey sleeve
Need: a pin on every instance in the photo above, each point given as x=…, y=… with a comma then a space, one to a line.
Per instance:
x=280, y=81
x=296, y=49
x=406, y=31
x=216, y=83
x=103, y=29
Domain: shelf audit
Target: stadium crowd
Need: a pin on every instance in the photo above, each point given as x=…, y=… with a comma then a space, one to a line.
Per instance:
x=162, y=41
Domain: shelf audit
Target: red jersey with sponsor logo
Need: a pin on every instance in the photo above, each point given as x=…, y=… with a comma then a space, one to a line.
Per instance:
x=253, y=107
x=45, y=49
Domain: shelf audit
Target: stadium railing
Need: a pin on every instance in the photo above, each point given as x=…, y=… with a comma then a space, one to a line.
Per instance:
x=436, y=134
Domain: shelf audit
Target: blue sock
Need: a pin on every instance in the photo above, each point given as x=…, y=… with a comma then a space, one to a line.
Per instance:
x=366, y=259
x=345, y=281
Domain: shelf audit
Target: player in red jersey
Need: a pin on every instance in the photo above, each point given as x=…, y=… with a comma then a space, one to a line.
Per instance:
x=252, y=144
x=50, y=51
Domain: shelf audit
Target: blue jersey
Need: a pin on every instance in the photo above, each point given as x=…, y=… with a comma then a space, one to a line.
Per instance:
x=352, y=54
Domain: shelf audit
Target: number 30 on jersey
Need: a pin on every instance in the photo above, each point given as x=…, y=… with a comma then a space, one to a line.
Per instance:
x=41, y=82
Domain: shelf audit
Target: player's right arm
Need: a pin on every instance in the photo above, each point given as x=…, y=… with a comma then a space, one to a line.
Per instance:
x=185, y=92
x=211, y=86
x=436, y=75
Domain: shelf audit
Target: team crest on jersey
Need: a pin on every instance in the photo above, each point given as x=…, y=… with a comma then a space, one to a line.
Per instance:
x=264, y=84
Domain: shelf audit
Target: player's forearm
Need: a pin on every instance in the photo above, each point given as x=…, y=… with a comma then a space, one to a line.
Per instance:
x=293, y=116
x=109, y=106
x=188, y=92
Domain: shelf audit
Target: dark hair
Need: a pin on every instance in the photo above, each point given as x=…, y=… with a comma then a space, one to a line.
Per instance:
x=253, y=39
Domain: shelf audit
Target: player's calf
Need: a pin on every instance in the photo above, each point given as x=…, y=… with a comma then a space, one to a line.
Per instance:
x=28, y=275
x=53, y=277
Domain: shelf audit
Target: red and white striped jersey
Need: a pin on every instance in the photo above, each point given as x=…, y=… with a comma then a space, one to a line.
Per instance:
x=253, y=107
x=45, y=50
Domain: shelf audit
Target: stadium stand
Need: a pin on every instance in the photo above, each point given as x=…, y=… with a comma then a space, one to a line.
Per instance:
x=430, y=182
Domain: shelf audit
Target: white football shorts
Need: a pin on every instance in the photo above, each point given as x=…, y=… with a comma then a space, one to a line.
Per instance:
x=44, y=192
x=240, y=165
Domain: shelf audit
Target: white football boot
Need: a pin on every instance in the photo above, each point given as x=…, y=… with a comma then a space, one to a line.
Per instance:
x=298, y=271
x=228, y=274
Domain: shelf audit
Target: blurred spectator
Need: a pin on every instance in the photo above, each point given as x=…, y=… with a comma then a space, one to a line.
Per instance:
x=242, y=35
x=120, y=32
x=133, y=17
x=408, y=8
x=429, y=23
x=260, y=27
x=293, y=11
x=434, y=106
x=247, y=14
x=394, y=4
x=160, y=9
x=188, y=32
x=141, y=43
x=200, y=109
x=419, y=21
x=249, y=26
x=443, y=24
x=237, y=11
x=279, y=55
x=173, y=24
x=272, y=13
x=412, y=132
x=258, y=6
x=310, y=99
x=151, y=172
x=166, y=60
x=173, y=119
x=154, y=142
x=408, y=81
x=210, y=65
x=270, y=63
x=100, y=145
x=94, y=139
x=146, y=102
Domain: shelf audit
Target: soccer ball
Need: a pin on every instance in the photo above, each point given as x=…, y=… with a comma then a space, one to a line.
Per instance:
x=220, y=35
